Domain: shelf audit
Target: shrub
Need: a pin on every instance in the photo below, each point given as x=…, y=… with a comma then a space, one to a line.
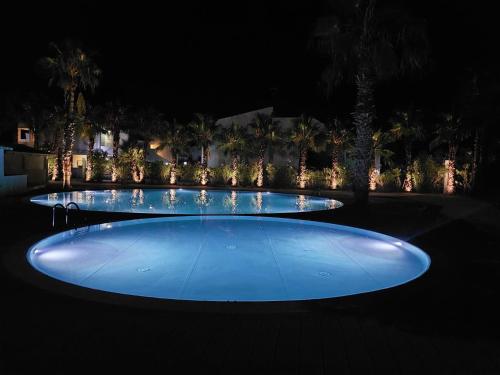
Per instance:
x=100, y=165
x=50, y=164
x=317, y=179
x=343, y=181
x=429, y=175
x=390, y=180
x=284, y=177
x=155, y=172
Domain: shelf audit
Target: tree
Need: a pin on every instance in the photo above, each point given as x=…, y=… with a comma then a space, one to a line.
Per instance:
x=337, y=135
x=176, y=138
x=73, y=71
x=365, y=44
x=451, y=133
x=407, y=127
x=202, y=130
x=93, y=123
x=268, y=136
x=115, y=117
x=233, y=142
x=304, y=136
x=380, y=139
x=56, y=121
x=34, y=114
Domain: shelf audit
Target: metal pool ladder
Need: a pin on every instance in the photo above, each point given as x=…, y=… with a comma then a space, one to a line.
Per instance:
x=66, y=211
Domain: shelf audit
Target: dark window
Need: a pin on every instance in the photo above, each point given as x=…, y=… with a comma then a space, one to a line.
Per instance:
x=25, y=135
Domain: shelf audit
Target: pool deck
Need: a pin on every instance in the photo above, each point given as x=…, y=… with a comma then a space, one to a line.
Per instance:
x=444, y=323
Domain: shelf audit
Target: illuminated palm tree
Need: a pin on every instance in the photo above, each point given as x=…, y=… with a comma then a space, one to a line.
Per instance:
x=366, y=43
x=267, y=136
x=55, y=125
x=233, y=142
x=93, y=124
x=176, y=138
x=115, y=117
x=72, y=70
x=407, y=127
x=452, y=133
x=380, y=139
x=337, y=135
x=202, y=131
x=304, y=136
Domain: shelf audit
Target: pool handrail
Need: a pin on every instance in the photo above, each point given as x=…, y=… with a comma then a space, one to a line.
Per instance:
x=57, y=205
x=68, y=205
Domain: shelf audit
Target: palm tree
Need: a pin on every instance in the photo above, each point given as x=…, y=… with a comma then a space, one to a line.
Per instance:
x=407, y=127
x=93, y=124
x=202, y=130
x=380, y=139
x=367, y=43
x=337, y=135
x=233, y=141
x=115, y=117
x=72, y=70
x=176, y=138
x=268, y=136
x=304, y=136
x=56, y=121
x=452, y=133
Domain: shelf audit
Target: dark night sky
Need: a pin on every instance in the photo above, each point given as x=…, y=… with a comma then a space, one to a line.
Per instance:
x=207, y=56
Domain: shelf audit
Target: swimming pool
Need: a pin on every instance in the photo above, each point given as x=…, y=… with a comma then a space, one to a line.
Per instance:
x=228, y=258
x=188, y=201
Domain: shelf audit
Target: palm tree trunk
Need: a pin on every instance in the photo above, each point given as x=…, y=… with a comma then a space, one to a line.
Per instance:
x=69, y=139
x=234, y=170
x=260, y=168
x=302, y=173
x=477, y=159
x=334, y=177
x=204, y=164
x=173, y=170
x=116, y=146
x=450, y=164
x=57, y=150
x=408, y=181
x=69, y=132
x=363, y=116
x=90, y=161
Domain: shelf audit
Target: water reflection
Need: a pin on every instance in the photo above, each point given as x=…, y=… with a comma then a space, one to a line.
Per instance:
x=203, y=199
x=137, y=197
x=231, y=201
x=169, y=199
x=257, y=201
x=302, y=202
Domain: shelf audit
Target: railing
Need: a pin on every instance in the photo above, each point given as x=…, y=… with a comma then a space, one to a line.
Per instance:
x=66, y=211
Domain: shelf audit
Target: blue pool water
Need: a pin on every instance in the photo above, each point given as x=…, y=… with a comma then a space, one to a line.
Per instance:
x=228, y=258
x=188, y=201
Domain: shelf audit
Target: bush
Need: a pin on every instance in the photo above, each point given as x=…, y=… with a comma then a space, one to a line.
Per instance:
x=100, y=165
x=429, y=175
x=390, y=180
x=343, y=179
x=248, y=174
x=317, y=179
x=284, y=177
x=50, y=164
x=157, y=172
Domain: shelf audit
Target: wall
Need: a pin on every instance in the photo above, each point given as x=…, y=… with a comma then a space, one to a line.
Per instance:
x=10, y=184
x=33, y=165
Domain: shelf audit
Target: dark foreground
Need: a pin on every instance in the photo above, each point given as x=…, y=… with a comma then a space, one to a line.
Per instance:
x=443, y=323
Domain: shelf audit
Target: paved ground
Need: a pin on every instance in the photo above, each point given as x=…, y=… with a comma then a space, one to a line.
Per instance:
x=444, y=323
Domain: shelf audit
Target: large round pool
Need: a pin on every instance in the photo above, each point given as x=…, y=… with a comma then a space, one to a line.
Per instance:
x=228, y=258
x=188, y=201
